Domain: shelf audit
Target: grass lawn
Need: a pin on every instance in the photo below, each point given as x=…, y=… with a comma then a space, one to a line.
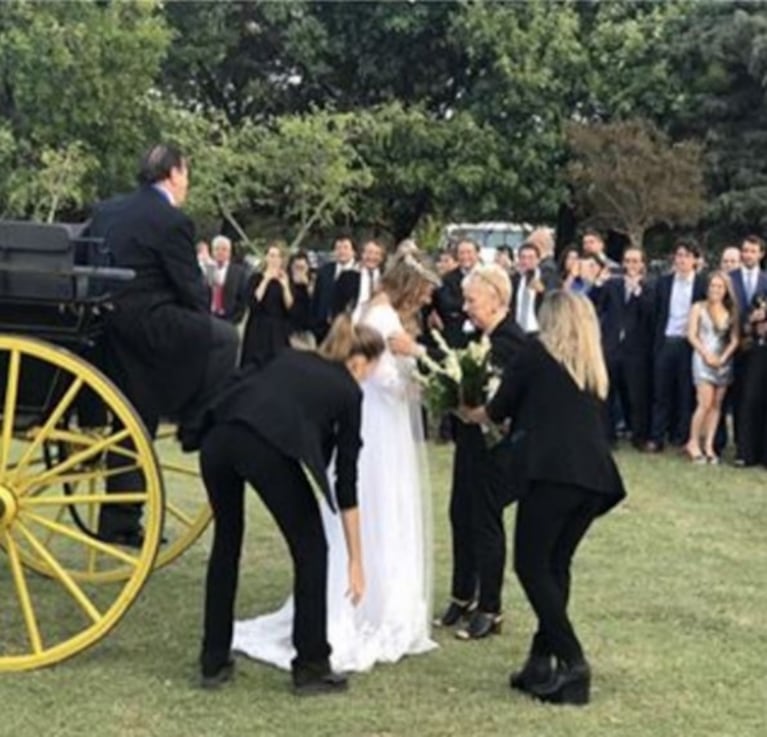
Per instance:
x=670, y=600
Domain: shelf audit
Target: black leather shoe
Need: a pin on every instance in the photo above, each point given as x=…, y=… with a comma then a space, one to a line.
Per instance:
x=213, y=679
x=455, y=612
x=569, y=684
x=124, y=538
x=314, y=684
x=481, y=624
x=537, y=670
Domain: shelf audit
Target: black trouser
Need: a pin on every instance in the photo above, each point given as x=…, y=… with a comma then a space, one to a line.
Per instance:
x=672, y=392
x=476, y=521
x=230, y=456
x=552, y=519
x=730, y=405
x=221, y=359
x=629, y=378
x=752, y=407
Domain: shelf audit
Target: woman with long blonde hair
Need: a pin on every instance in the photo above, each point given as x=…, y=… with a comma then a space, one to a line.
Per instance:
x=554, y=396
x=392, y=620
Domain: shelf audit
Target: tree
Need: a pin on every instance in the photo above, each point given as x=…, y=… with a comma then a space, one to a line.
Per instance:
x=628, y=176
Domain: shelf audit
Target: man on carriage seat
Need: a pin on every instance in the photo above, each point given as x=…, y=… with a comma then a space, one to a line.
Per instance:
x=162, y=346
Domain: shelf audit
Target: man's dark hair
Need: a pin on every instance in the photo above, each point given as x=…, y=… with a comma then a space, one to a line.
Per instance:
x=528, y=246
x=756, y=240
x=688, y=246
x=157, y=162
x=345, y=237
x=460, y=238
x=595, y=233
x=595, y=257
x=507, y=249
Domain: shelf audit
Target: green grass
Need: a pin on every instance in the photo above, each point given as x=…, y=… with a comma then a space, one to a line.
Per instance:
x=670, y=600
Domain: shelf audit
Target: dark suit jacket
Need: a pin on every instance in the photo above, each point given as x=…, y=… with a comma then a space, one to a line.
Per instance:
x=158, y=336
x=346, y=292
x=662, y=303
x=515, y=281
x=626, y=325
x=322, y=299
x=563, y=438
x=739, y=287
x=235, y=293
x=306, y=407
x=550, y=273
x=448, y=302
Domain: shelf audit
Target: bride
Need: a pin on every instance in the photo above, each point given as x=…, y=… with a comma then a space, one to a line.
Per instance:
x=392, y=620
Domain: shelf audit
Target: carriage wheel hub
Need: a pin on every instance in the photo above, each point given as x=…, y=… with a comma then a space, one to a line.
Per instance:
x=8, y=506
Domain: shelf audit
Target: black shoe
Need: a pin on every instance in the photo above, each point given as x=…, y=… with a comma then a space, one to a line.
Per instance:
x=308, y=683
x=481, y=624
x=536, y=671
x=569, y=684
x=455, y=612
x=124, y=538
x=213, y=679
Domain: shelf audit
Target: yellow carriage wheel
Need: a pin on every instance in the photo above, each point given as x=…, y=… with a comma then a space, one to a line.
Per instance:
x=49, y=506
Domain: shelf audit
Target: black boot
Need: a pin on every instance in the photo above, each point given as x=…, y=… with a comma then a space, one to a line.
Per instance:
x=569, y=684
x=312, y=679
x=455, y=612
x=537, y=670
x=213, y=677
x=481, y=624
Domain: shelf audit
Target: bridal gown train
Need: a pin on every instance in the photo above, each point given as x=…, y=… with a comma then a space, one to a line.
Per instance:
x=392, y=620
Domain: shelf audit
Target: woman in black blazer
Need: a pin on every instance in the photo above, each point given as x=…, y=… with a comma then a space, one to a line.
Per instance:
x=277, y=429
x=554, y=394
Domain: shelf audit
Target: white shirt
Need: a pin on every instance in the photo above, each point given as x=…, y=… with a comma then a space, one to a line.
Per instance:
x=679, y=308
x=525, y=312
x=219, y=274
x=340, y=268
x=750, y=281
x=165, y=193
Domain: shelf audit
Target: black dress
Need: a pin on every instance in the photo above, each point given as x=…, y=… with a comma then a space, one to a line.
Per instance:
x=268, y=327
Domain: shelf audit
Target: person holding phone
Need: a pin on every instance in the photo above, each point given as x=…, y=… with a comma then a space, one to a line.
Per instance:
x=268, y=327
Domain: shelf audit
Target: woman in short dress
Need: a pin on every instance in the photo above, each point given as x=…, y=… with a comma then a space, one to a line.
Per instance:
x=713, y=333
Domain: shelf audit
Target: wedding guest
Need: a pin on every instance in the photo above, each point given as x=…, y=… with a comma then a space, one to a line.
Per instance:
x=730, y=259
x=344, y=257
x=355, y=287
x=713, y=333
x=270, y=429
x=624, y=306
x=228, y=283
x=446, y=262
x=594, y=242
x=476, y=509
x=554, y=394
x=527, y=288
x=592, y=272
x=674, y=295
x=300, y=314
x=543, y=240
x=450, y=318
x=504, y=257
x=569, y=266
x=268, y=327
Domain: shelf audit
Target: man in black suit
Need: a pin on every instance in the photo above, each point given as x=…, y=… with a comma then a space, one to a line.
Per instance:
x=624, y=306
x=163, y=348
x=543, y=239
x=448, y=315
x=528, y=288
x=228, y=283
x=674, y=296
x=749, y=390
x=325, y=285
x=354, y=287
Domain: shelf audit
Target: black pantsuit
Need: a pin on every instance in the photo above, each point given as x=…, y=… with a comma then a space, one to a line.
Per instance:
x=752, y=430
x=231, y=455
x=263, y=429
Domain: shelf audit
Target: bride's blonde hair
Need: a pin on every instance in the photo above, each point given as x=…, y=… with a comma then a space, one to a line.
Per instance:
x=405, y=282
x=570, y=333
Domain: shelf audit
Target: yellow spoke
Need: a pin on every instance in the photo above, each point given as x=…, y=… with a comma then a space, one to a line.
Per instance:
x=50, y=423
x=59, y=516
x=73, y=460
x=81, y=537
x=9, y=410
x=121, y=497
x=91, y=554
x=22, y=590
x=82, y=476
x=61, y=574
x=179, y=468
x=178, y=514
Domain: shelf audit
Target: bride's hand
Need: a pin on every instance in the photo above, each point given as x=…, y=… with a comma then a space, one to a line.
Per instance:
x=403, y=344
x=356, y=582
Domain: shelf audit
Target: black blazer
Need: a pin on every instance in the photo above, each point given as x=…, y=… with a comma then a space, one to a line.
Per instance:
x=626, y=324
x=322, y=299
x=739, y=288
x=346, y=292
x=160, y=332
x=235, y=293
x=448, y=303
x=306, y=407
x=561, y=431
x=662, y=303
x=515, y=281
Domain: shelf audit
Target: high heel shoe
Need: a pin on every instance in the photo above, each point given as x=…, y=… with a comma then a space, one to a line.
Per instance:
x=481, y=624
x=537, y=670
x=569, y=684
x=455, y=612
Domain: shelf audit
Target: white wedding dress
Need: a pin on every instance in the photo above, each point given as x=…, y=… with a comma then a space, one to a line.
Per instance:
x=392, y=620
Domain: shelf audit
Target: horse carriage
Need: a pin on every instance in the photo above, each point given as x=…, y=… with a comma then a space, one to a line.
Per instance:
x=67, y=434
